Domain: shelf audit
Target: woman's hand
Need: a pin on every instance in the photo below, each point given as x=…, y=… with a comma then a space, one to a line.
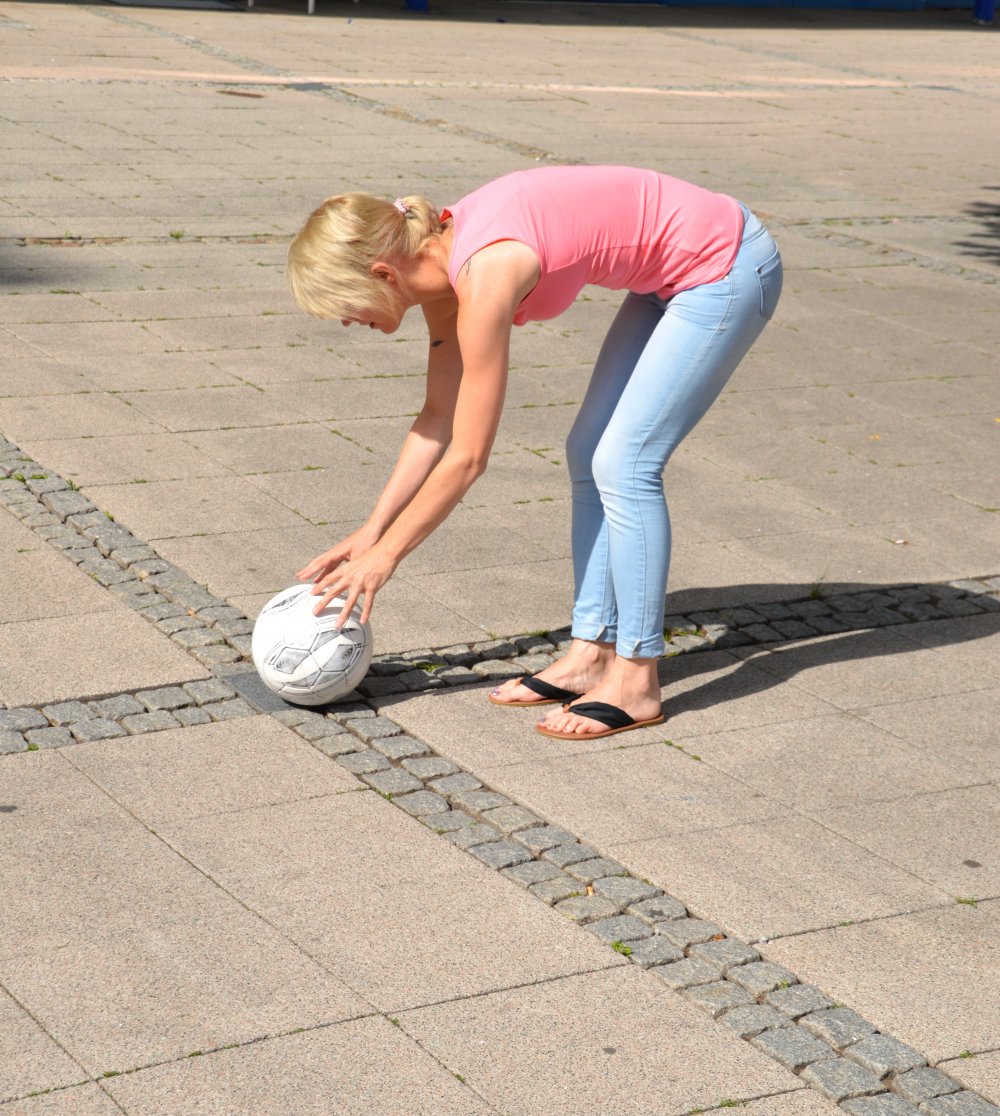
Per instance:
x=365, y=574
x=322, y=569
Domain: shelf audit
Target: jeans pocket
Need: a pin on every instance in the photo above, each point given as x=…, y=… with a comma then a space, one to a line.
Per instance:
x=769, y=277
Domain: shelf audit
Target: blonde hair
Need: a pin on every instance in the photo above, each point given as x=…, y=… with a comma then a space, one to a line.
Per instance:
x=331, y=257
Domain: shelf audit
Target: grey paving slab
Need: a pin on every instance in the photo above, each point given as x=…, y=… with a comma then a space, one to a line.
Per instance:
x=367, y=1066
x=642, y=1046
x=87, y=1099
x=354, y=895
x=981, y=1074
x=118, y=960
x=32, y=1061
x=917, y=977
x=801, y=1103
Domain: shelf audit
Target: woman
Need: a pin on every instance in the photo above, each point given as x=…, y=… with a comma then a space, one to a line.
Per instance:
x=703, y=277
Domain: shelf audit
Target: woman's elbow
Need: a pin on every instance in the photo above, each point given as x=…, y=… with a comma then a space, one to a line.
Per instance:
x=472, y=465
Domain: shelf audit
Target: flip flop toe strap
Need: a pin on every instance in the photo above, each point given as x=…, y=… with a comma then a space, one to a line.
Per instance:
x=547, y=690
x=608, y=715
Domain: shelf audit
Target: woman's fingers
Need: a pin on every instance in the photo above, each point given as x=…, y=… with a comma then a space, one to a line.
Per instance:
x=349, y=604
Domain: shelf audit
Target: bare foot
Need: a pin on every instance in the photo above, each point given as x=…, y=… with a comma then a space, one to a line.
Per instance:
x=630, y=684
x=582, y=667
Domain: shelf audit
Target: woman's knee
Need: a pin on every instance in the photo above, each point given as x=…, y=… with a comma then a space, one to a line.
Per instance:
x=580, y=446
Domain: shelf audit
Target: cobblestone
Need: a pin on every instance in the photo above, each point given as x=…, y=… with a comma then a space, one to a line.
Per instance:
x=167, y=697
x=665, y=908
x=231, y=629
x=364, y=763
x=126, y=556
x=838, y=1080
x=500, y=854
x=752, y=1019
x=587, y=871
x=229, y=710
x=372, y=728
x=882, y=1055
x=717, y=998
x=496, y=670
x=320, y=729
x=455, y=784
x=511, y=819
x=799, y=1000
x=446, y=820
x=922, y=1084
x=183, y=623
x=544, y=837
x=762, y=977
x=793, y=629
x=884, y=1105
x=690, y=642
x=11, y=742
x=48, y=737
x=417, y=680
x=291, y=718
x=588, y=908
x=66, y=712
x=429, y=767
x=196, y=638
x=792, y=1047
x=63, y=504
x=351, y=711
x=532, y=664
x=762, y=633
x=162, y=609
x=624, y=890
x=95, y=729
x=421, y=804
x=70, y=542
x=117, y=707
x=192, y=715
x=959, y=1104
x=920, y=612
x=534, y=645
x=619, y=928
x=723, y=638
x=472, y=835
x=556, y=890
x=687, y=974
x=457, y=675
x=214, y=655
x=393, y=781
x=837, y=1026
x=141, y=723
x=212, y=689
x=494, y=649
x=532, y=872
x=743, y=617
x=689, y=931
x=654, y=951
x=477, y=802
x=725, y=955
x=459, y=655
x=340, y=744
x=564, y=855
x=399, y=747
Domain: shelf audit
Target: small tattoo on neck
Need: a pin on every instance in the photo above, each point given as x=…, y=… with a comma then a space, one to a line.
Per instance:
x=434, y=344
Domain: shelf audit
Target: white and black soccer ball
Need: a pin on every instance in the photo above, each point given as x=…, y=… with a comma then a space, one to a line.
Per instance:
x=303, y=658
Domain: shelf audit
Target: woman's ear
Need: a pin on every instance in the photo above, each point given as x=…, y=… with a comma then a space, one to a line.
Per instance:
x=385, y=272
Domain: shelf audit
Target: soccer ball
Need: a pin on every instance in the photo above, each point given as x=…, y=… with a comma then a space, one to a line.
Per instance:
x=303, y=658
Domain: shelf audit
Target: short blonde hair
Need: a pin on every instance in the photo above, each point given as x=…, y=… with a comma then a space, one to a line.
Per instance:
x=331, y=257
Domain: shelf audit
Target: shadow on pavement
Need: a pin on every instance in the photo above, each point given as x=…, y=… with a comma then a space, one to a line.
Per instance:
x=985, y=244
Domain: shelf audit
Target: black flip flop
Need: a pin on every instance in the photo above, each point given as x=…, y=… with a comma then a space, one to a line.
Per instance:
x=553, y=695
x=617, y=720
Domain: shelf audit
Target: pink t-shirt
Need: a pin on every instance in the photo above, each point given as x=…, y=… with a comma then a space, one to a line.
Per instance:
x=616, y=227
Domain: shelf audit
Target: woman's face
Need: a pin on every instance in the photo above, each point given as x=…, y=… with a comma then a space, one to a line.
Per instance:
x=376, y=319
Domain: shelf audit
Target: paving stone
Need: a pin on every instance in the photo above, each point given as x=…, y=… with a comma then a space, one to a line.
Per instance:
x=792, y=1047
x=689, y=931
x=544, y=837
x=725, y=955
x=242, y=643
x=564, y=855
x=587, y=871
x=394, y=781
x=422, y=804
x=290, y=718
x=838, y=1026
x=455, y=784
x=350, y=711
x=500, y=854
x=883, y=1054
x=654, y=951
x=167, y=697
x=64, y=504
x=42, y=519
x=761, y=977
x=687, y=973
x=232, y=628
x=534, y=645
x=95, y=729
x=690, y=642
x=664, y=908
x=192, y=715
x=215, y=655
x=71, y=542
x=624, y=890
x=494, y=649
x=115, y=708
x=532, y=872
x=321, y=729
x=140, y=723
x=511, y=819
x=936, y=591
x=151, y=567
x=826, y=625
x=37, y=485
x=424, y=655
x=364, y=763
x=212, y=689
x=215, y=613
x=428, y=767
x=459, y=655
x=762, y=633
x=752, y=1019
x=447, y=821
x=457, y=676
x=959, y=608
x=127, y=556
x=588, y=908
x=399, y=747
x=885, y=1105
x=66, y=712
x=229, y=710
x=805, y=610
x=680, y=624
x=168, y=580
x=340, y=744
x=532, y=664
x=162, y=609
x=799, y=1000
x=137, y=596
x=855, y=621
x=191, y=595
x=372, y=728
x=556, y=890
x=717, y=998
x=386, y=666
x=742, y=616
x=496, y=670
x=723, y=638
x=48, y=737
x=988, y=604
x=619, y=928
x=920, y=612
x=922, y=1084
x=11, y=742
x=839, y=1080
x=959, y=1104
x=18, y=720
x=196, y=638
x=793, y=629
x=477, y=802
x=57, y=530
x=417, y=680
x=184, y=623
x=472, y=835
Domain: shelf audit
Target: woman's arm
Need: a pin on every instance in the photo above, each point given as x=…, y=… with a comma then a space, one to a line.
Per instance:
x=489, y=289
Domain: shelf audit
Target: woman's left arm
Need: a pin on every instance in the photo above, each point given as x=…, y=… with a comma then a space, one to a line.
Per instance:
x=489, y=289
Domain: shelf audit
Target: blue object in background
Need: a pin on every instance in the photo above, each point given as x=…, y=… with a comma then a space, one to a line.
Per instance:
x=416, y=5
x=983, y=11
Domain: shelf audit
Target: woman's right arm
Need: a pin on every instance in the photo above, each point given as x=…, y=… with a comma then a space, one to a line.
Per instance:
x=425, y=445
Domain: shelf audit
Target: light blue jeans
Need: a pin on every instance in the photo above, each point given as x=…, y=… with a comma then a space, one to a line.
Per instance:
x=662, y=365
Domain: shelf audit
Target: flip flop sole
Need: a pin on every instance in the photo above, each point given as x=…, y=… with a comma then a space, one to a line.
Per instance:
x=596, y=735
